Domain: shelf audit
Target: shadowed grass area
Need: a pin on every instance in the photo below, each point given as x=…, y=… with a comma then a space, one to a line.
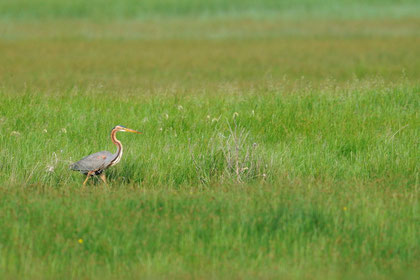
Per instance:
x=295, y=229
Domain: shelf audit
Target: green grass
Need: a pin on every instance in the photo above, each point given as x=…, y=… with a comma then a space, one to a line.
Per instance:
x=362, y=133
x=279, y=140
x=108, y=9
x=328, y=190
x=300, y=230
x=210, y=56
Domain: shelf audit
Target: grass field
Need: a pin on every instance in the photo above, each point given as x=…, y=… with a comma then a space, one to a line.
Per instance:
x=280, y=139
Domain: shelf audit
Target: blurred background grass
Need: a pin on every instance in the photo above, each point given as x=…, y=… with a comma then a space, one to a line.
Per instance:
x=134, y=9
x=192, y=56
x=194, y=45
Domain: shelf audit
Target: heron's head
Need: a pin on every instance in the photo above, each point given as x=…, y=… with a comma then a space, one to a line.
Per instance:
x=123, y=128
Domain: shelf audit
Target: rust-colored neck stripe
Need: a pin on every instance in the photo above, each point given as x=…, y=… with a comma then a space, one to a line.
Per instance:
x=117, y=143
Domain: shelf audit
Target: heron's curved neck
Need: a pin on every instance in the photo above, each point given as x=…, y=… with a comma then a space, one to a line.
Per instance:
x=117, y=143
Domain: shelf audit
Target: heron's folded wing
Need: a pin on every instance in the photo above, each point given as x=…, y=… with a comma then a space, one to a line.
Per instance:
x=92, y=162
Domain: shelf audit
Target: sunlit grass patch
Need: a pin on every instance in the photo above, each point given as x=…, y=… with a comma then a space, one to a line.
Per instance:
x=365, y=134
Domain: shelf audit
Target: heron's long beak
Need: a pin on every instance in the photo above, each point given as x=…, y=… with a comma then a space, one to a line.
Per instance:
x=132, y=130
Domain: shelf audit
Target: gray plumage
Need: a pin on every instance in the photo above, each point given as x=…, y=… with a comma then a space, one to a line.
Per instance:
x=97, y=162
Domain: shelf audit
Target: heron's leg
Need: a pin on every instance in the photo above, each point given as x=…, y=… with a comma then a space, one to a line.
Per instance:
x=103, y=177
x=87, y=177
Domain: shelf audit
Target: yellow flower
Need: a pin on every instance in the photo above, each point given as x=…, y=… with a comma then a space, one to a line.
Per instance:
x=80, y=241
x=344, y=208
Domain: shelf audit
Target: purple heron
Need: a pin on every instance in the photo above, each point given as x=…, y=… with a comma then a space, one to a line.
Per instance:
x=96, y=163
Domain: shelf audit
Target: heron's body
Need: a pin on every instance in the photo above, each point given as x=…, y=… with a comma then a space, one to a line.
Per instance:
x=96, y=163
